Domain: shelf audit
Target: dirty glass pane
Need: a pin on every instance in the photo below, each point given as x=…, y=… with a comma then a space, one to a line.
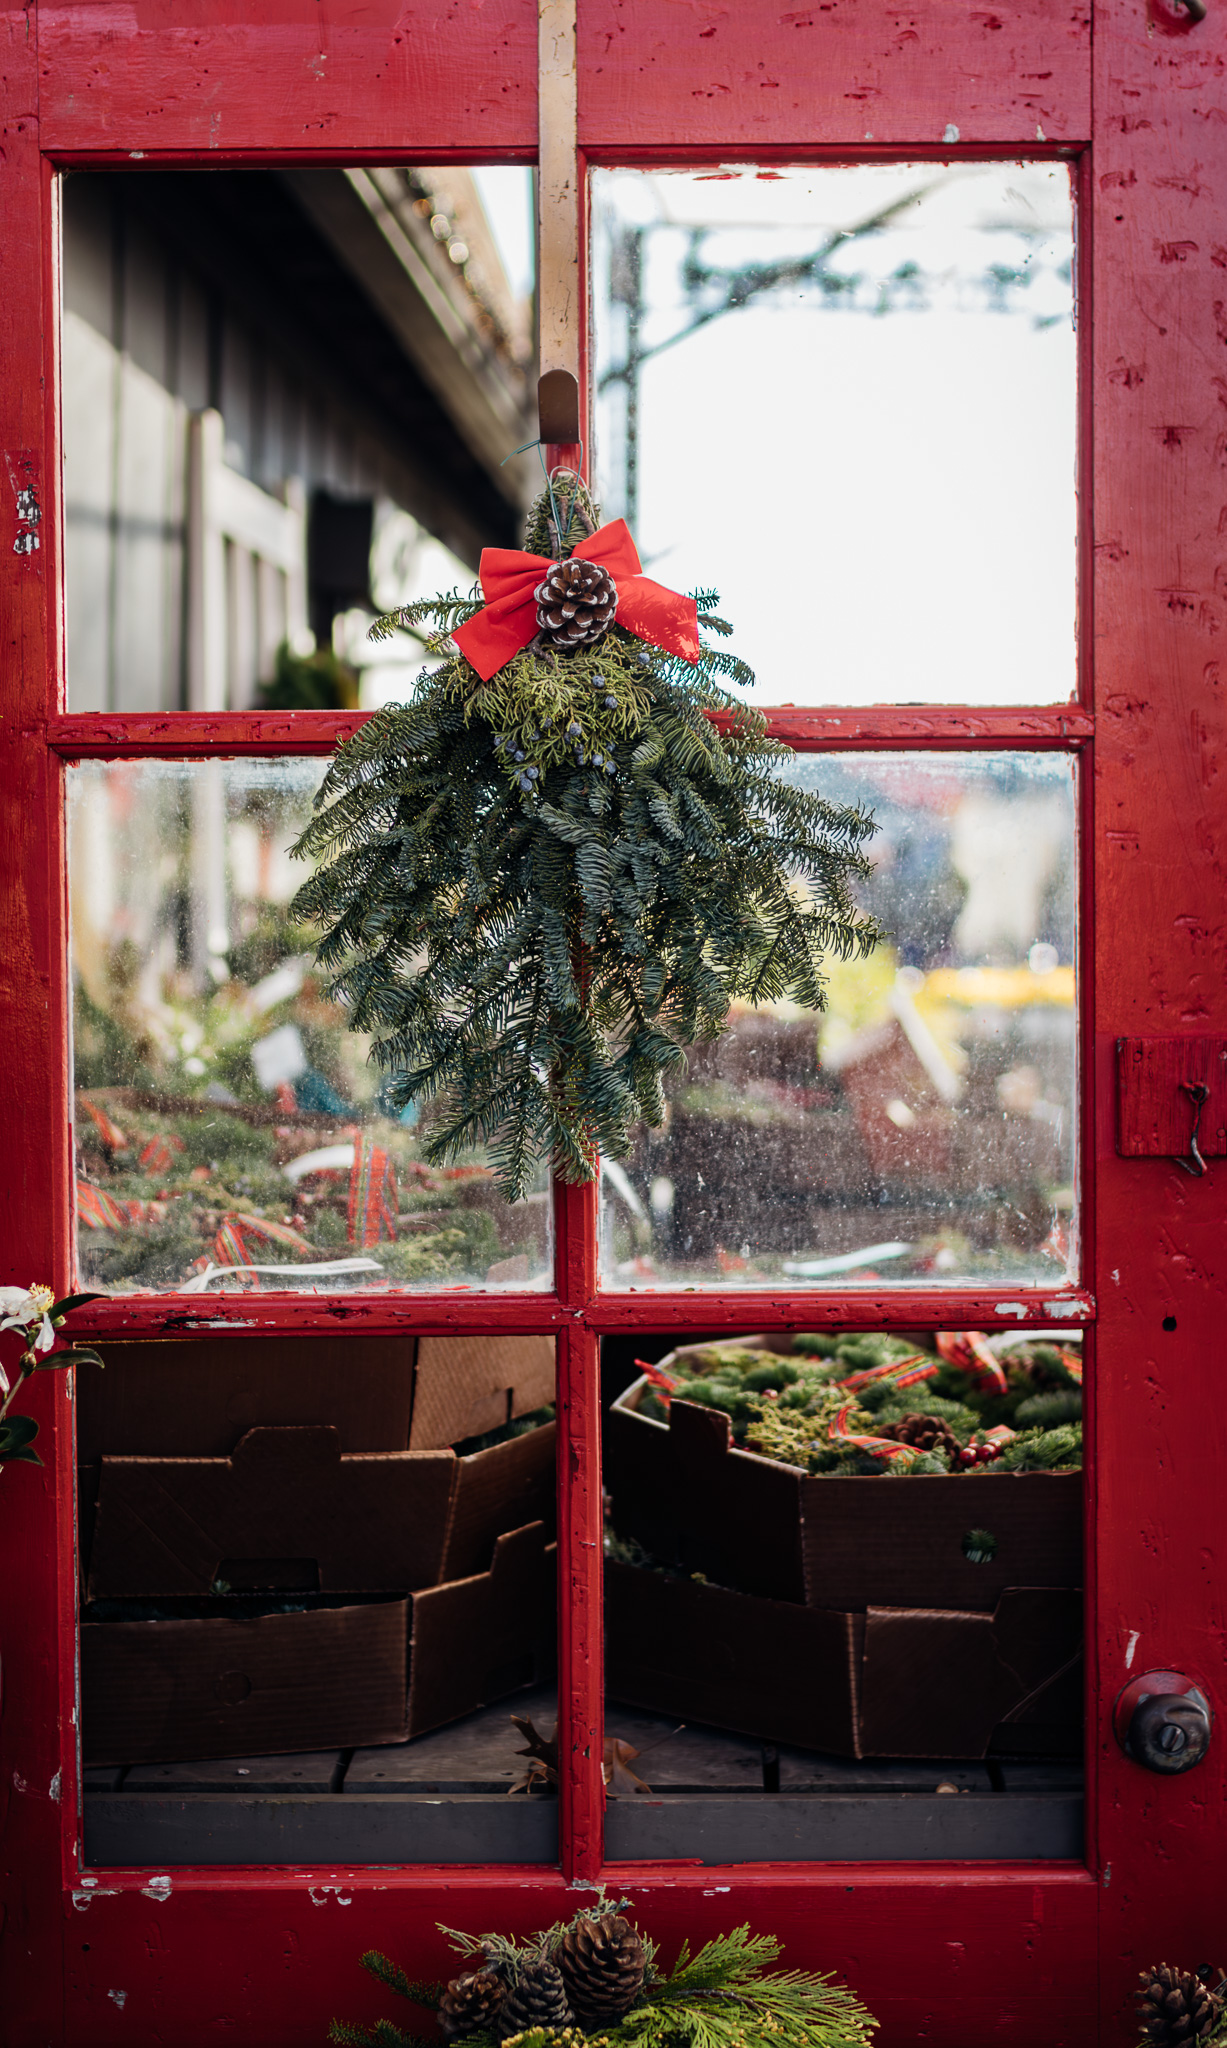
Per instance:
x=922, y=1130
x=229, y=1129
x=843, y=1605
x=263, y=445
x=845, y=398
x=271, y=1650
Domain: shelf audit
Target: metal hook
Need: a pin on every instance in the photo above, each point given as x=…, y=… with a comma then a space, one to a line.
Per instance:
x=1195, y=10
x=1198, y=1095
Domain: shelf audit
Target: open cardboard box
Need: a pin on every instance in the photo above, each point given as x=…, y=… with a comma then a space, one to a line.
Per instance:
x=340, y=1676
x=194, y=1397
x=692, y=1500
x=886, y=1682
x=198, y=1398
x=288, y=1510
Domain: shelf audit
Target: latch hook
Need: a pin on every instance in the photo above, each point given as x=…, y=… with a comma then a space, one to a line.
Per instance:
x=1198, y=1095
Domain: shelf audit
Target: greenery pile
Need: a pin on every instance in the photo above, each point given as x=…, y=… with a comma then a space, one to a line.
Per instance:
x=725, y=1996
x=535, y=892
x=784, y=1406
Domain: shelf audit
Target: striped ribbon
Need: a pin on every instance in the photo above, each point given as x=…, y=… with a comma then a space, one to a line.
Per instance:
x=904, y=1372
x=664, y=1383
x=968, y=1349
x=99, y=1210
x=231, y=1248
x=111, y=1135
x=876, y=1446
x=158, y=1156
x=1072, y=1361
x=1001, y=1435
x=372, y=1194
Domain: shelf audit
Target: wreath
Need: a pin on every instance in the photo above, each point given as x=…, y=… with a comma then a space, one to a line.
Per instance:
x=561, y=861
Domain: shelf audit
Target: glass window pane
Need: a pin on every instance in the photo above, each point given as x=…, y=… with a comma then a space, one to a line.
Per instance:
x=813, y=1645
x=364, y=1606
x=229, y=1127
x=261, y=451
x=845, y=398
x=922, y=1130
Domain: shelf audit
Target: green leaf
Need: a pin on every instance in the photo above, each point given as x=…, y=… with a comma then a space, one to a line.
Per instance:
x=68, y=1302
x=17, y=1433
x=50, y=1361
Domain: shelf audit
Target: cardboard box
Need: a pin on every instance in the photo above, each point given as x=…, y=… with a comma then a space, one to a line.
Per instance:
x=464, y=1386
x=888, y=1682
x=158, y=1691
x=289, y=1510
x=692, y=1500
x=194, y=1397
x=477, y=1639
x=341, y=1677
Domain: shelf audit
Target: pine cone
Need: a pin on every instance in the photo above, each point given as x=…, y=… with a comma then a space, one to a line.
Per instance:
x=538, y=1998
x=1174, y=2006
x=576, y=603
x=471, y=2003
x=602, y=1964
x=926, y=1432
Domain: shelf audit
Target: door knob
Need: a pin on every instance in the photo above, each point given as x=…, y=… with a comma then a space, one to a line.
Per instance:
x=1163, y=1722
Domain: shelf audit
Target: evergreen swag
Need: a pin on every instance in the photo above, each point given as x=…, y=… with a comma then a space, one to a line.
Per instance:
x=725, y=1996
x=535, y=892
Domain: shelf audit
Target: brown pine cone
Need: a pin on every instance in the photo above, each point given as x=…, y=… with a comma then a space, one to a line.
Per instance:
x=1175, y=2007
x=471, y=2003
x=576, y=602
x=926, y=1432
x=602, y=1964
x=536, y=1999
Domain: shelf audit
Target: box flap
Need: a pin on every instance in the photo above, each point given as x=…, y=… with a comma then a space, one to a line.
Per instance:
x=692, y=1500
x=760, y=1667
x=287, y=1500
x=159, y=1691
x=503, y=1488
x=464, y=1386
x=477, y=1639
x=938, y=1683
x=194, y=1397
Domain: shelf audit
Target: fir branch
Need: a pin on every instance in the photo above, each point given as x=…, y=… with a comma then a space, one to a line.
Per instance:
x=535, y=893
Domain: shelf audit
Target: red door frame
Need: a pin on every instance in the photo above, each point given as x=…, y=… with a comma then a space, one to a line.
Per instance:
x=952, y=1954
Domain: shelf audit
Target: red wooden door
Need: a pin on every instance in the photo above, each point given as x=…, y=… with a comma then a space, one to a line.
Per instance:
x=957, y=1954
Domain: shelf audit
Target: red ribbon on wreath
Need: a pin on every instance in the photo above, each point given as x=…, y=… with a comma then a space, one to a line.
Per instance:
x=509, y=578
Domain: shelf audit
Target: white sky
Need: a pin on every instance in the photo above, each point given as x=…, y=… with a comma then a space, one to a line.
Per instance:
x=886, y=504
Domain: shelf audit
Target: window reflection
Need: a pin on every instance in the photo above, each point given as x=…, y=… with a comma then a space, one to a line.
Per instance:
x=229, y=1130
x=844, y=397
x=922, y=1129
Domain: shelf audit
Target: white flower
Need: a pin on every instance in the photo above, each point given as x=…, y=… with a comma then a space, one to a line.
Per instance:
x=22, y=1307
x=4, y=1381
x=17, y=1306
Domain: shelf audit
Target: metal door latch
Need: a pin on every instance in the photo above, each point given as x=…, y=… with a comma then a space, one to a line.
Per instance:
x=1163, y=1721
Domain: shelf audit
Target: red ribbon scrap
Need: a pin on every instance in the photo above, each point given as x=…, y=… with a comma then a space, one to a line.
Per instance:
x=969, y=1350
x=903, y=1372
x=877, y=1446
x=509, y=578
x=666, y=1386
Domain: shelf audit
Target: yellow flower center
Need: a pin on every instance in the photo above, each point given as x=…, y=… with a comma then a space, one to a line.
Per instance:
x=42, y=1297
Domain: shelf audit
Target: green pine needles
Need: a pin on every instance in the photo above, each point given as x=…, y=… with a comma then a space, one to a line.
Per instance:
x=535, y=892
x=725, y=1996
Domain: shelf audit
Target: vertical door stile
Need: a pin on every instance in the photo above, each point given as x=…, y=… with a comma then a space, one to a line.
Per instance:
x=580, y=1530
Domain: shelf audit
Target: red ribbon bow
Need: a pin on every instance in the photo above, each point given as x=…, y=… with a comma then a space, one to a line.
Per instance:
x=508, y=579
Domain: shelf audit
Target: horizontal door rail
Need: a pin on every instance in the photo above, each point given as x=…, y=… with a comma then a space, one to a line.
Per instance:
x=170, y=1315
x=181, y=735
